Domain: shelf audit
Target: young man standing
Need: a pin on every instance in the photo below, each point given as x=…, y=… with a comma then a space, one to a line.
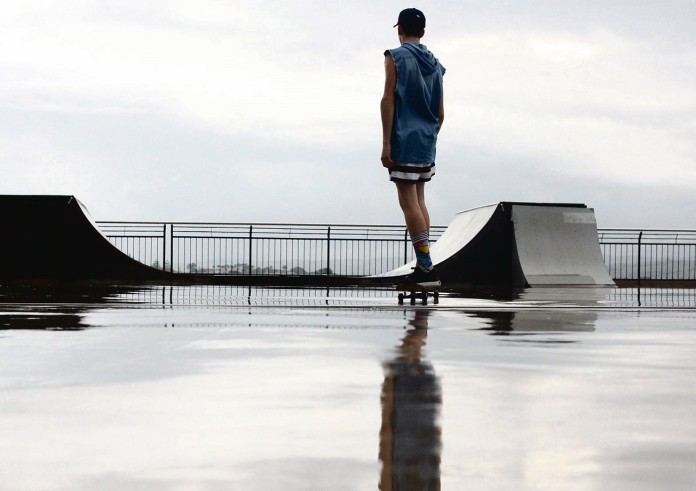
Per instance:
x=412, y=111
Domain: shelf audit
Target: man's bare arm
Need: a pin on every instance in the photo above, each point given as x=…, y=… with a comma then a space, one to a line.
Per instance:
x=441, y=115
x=387, y=110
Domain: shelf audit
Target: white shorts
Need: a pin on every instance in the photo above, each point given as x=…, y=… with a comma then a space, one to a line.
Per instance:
x=412, y=172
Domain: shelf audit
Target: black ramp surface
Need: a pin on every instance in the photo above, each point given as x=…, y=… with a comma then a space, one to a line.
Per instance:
x=52, y=237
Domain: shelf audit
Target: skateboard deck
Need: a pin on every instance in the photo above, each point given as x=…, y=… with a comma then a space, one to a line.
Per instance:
x=414, y=291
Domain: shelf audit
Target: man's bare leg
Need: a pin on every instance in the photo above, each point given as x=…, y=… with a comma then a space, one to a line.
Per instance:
x=410, y=199
x=420, y=191
x=412, y=202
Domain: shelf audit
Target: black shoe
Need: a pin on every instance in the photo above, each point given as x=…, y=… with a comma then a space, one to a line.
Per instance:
x=420, y=277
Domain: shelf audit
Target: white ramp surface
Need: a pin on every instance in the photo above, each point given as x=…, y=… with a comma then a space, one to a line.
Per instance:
x=462, y=229
x=558, y=246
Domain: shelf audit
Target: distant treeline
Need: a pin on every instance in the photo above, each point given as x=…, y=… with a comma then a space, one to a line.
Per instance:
x=244, y=269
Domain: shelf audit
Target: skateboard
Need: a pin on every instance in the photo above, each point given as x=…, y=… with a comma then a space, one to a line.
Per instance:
x=413, y=291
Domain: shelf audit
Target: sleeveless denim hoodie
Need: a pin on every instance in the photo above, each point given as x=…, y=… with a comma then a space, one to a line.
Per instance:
x=417, y=103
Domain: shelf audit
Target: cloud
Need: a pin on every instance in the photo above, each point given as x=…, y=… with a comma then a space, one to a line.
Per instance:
x=216, y=64
x=142, y=103
x=583, y=106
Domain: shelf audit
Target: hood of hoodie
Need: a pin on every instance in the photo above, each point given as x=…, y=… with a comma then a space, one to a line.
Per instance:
x=426, y=60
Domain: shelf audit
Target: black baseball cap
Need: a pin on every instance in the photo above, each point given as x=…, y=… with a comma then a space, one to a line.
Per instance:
x=412, y=18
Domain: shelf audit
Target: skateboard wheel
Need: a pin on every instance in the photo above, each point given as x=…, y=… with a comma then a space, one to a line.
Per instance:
x=401, y=298
x=436, y=297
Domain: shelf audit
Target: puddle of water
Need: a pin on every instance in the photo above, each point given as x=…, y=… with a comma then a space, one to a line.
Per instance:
x=192, y=388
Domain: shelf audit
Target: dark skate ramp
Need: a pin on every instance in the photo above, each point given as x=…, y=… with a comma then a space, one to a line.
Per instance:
x=513, y=244
x=54, y=238
x=519, y=244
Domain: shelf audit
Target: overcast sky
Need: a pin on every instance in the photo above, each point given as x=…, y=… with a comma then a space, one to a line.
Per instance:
x=269, y=111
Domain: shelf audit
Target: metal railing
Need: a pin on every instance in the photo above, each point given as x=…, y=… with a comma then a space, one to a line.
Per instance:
x=265, y=249
x=649, y=254
x=358, y=250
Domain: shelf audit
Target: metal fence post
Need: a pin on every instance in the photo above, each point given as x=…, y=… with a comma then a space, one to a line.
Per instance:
x=251, y=230
x=164, y=246
x=171, y=247
x=328, y=251
x=405, y=246
x=640, y=239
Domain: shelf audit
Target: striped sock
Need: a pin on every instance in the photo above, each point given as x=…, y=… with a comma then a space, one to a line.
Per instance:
x=421, y=244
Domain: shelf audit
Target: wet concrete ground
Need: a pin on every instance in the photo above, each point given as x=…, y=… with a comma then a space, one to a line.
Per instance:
x=188, y=388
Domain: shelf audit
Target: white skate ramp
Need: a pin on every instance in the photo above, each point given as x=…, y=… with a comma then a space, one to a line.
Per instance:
x=519, y=244
x=465, y=226
x=558, y=246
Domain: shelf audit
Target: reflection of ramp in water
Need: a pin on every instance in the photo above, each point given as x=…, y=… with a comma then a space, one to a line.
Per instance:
x=53, y=237
x=540, y=321
x=520, y=244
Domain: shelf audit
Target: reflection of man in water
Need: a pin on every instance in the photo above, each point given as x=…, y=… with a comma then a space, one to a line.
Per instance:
x=410, y=437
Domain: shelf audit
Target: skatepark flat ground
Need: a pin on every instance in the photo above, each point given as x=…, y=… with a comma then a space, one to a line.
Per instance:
x=179, y=388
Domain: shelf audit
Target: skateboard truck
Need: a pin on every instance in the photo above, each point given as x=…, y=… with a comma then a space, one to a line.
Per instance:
x=414, y=291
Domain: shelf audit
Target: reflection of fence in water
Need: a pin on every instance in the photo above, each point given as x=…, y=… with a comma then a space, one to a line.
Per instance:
x=358, y=250
x=216, y=296
x=356, y=306
x=652, y=297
